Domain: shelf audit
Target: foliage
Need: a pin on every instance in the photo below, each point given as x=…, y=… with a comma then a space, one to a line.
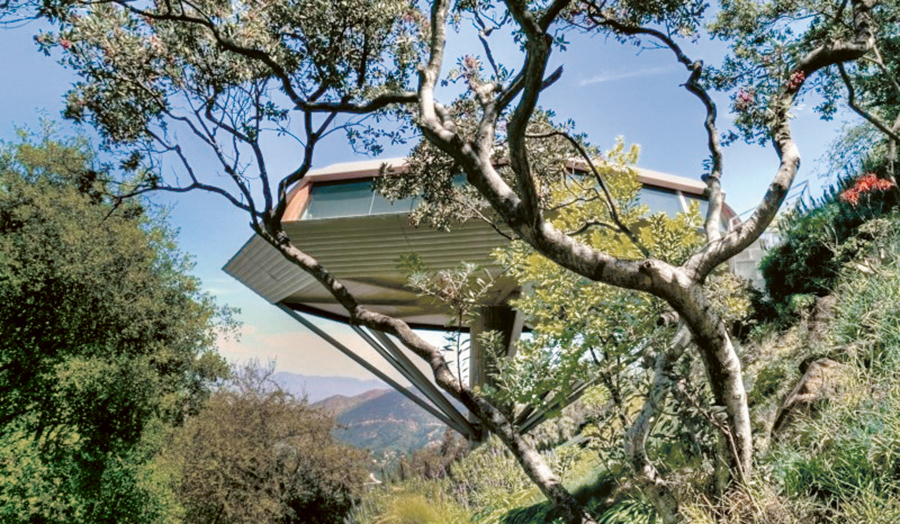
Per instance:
x=821, y=236
x=105, y=340
x=836, y=463
x=485, y=486
x=227, y=74
x=768, y=44
x=256, y=454
x=434, y=461
x=845, y=456
x=584, y=329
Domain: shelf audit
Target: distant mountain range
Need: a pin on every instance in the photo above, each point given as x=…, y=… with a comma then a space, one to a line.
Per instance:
x=318, y=388
x=383, y=421
x=370, y=415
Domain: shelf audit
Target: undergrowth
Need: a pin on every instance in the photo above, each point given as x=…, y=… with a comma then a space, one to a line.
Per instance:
x=836, y=461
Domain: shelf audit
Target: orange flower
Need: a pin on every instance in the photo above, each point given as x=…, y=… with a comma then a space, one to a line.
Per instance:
x=850, y=196
x=865, y=184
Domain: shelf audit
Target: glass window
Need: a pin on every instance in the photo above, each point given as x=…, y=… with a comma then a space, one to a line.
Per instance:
x=339, y=199
x=704, y=204
x=351, y=198
x=381, y=205
x=660, y=200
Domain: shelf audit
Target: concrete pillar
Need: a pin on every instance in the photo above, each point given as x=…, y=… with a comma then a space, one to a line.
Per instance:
x=501, y=318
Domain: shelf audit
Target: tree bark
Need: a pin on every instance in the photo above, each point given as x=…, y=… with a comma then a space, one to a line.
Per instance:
x=653, y=485
x=723, y=368
x=540, y=473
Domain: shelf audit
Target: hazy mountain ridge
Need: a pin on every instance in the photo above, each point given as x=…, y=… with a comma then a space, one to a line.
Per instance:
x=337, y=405
x=317, y=388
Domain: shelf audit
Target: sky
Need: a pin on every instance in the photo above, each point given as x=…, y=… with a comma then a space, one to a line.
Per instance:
x=609, y=89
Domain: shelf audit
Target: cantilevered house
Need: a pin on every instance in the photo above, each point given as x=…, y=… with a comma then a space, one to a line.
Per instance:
x=335, y=216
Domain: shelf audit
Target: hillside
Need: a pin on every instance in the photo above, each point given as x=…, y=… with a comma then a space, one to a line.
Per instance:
x=340, y=404
x=383, y=421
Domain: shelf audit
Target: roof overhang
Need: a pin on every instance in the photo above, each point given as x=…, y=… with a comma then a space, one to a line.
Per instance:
x=363, y=252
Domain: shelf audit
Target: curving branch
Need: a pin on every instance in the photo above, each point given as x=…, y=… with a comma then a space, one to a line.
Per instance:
x=851, y=101
x=654, y=485
x=344, y=106
x=693, y=85
x=609, y=199
x=700, y=264
x=537, y=54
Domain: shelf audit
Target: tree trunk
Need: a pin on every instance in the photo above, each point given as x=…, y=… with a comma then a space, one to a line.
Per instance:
x=540, y=473
x=723, y=368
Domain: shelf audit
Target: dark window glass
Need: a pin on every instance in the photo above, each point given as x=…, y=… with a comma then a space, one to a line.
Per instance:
x=353, y=198
x=704, y=204
x=660, y=200
x=340, y=199
x=381, y=205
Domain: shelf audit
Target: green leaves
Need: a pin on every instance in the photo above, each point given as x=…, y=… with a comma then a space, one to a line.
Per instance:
x=104, y=339
x=583, y=329
x=256, y=454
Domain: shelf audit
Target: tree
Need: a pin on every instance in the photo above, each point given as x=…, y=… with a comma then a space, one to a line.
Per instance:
x=105, y=341
x=255, y=454
x=230, y=73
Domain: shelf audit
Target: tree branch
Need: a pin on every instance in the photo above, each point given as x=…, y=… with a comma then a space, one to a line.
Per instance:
x=695, y=68
x=714, y=253
x=652, y=483
x=851, y=101
x=610, y=200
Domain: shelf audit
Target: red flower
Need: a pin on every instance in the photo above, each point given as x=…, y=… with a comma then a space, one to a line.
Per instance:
x=65, y=43
x=744, y=100
x=850, y=196
x=796, y=80
x=865, y=184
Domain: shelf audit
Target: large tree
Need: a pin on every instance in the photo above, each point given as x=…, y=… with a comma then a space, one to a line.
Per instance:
x=224, y=75
x=105, y=340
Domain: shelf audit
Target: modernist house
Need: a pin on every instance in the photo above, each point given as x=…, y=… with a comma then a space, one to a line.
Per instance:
x=336, y=217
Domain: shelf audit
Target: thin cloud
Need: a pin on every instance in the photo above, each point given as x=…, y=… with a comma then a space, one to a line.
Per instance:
x=624, y=75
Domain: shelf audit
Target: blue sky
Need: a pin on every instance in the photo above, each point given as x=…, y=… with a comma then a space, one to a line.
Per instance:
x=609, y=89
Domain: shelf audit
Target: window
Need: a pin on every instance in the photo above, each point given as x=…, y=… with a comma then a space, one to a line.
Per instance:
x=349, y=199
x=704, y=204
x=658, y=199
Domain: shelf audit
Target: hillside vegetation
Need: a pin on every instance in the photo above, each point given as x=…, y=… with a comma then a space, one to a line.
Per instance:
x=822, y=367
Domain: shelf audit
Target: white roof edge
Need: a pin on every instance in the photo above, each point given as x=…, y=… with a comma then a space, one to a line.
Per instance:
x=366, y=168
x=360, y=169
x=655, y=178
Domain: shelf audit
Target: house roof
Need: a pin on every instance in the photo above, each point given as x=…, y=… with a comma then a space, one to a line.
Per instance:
x=363, y=251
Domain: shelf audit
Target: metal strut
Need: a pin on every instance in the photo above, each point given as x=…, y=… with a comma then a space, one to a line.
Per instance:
x=401, y=363
x=437, y=404
x=395, y=355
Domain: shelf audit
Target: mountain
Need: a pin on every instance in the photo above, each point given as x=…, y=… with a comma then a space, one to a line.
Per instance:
x=383, y=421
x=339, y=404
x=317, y=388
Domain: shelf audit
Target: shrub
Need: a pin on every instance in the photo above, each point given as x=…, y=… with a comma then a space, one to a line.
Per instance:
x=820, y=237
x=257, y=455
x=846, y=456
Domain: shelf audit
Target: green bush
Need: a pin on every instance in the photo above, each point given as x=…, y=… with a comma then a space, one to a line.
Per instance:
x=819, y=238
x=847, y=457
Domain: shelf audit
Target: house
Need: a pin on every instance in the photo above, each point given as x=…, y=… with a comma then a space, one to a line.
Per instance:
x=334, y=215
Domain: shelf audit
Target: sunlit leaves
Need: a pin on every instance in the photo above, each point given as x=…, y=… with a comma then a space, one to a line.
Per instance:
x=105, y=339
x=139, y=63
x=582, y=328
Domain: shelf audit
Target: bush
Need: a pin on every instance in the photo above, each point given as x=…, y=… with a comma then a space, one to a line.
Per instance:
x=846, y=456
x=820, y=237
x=257, y=455
x=105, y=341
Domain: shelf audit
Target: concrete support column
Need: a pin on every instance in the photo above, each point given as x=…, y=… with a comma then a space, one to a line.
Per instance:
x=502, y=319
x=482, y=361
